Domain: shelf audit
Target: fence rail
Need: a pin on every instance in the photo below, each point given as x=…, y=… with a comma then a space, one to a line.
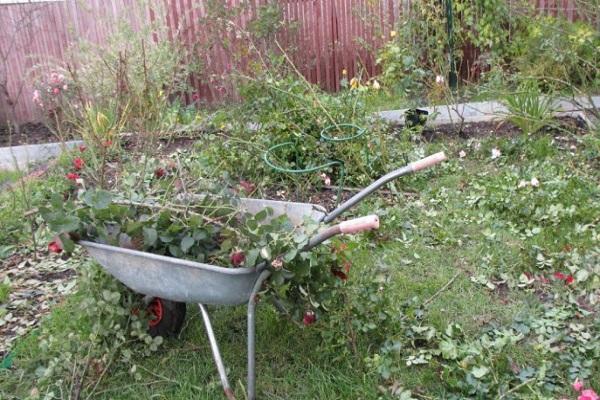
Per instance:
x=327, y=35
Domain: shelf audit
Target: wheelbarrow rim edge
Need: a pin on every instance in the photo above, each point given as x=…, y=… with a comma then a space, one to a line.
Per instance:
x=179, y=261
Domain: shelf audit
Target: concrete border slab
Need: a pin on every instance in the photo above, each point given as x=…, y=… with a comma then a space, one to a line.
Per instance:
x=485, y=111
x=32, y=153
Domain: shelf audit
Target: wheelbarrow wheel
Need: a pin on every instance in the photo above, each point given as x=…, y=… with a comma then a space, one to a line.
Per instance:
x=166, y=317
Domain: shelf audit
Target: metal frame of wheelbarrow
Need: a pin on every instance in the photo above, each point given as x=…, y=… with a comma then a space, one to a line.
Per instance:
x=191, y=282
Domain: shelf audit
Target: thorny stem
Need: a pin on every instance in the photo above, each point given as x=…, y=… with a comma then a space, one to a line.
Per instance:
x=308, y=85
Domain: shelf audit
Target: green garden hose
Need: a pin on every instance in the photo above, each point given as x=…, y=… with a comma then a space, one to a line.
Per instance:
x=326, y=138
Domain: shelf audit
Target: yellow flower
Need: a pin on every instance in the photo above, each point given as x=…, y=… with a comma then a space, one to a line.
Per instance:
x=354, y=83
x=344, y=72
x=392, y=33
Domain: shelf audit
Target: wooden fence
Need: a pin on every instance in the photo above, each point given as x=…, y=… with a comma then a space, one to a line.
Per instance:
x=327, y=36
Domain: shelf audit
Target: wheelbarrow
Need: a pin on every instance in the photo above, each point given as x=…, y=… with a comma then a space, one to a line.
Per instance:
x=169, y=283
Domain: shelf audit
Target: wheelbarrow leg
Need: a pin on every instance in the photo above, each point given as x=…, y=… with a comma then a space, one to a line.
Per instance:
x=216, y=354
x=252, y=334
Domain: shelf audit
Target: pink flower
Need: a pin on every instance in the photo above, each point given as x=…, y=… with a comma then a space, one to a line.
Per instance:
x=196, y=96
x=569, y=279
x=237, y=258
x=277, y=263
x=310, y=318
x=56, y=90
x=72, y=176
x=577, y=385
x=78, y=163
x=56, y=78
x=36, y=96
x=65, y=87
x=82, y=148
x=588, y=394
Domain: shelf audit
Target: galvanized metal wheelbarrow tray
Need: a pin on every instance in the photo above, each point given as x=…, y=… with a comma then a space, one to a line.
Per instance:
x=192, y=282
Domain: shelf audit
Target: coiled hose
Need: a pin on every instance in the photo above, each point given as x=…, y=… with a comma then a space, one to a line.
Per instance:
x=325, y=137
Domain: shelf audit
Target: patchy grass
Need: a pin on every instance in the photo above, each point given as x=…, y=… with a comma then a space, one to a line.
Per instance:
x=478, y=246
x=4, y=292
x=7, y=177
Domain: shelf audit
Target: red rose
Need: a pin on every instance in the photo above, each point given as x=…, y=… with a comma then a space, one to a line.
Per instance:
x=560, y=275
x=78, y=163
x=55, y=247
x=159, y=172
x=237, y=258
x=82, y=148
x=309, y=318
x=569, y=279
x=72, y=176
x=340, y=274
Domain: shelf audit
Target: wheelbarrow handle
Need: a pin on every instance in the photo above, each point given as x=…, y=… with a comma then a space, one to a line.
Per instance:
x=352, y=226
x=428, y=161
x=359, y=224
x=390, y=176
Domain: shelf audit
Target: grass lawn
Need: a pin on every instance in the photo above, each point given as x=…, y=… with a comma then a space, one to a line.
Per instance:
x=477, y=245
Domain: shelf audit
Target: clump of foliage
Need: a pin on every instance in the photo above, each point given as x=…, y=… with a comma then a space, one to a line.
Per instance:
x=529, y=109
x=284, y=108
x=557, y=52
x=127, y=78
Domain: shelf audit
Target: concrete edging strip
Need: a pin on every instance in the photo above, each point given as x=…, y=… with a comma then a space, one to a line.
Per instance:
x=20, y=157
x=485, y=111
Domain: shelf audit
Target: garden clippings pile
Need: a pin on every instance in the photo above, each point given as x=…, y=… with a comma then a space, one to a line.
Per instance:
x=212, y=231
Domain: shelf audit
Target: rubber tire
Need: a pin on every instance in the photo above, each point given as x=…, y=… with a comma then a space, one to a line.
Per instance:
x=172, y=319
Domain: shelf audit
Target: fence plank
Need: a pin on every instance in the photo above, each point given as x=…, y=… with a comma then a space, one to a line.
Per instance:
x=325, y=40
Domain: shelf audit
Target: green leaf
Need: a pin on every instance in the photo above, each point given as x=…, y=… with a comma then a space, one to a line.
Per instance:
x=265, y=253
x=150, y=236
x=290, y=255
x=251, y=257
x=98, y=199
x=448, y=349
x=200, y=235
x=67, y=244
x=175, y=251
x=480, y=372
x=261, y=215
x=187, y=243
x=61, y=223
x=6, y=251
x=166, y=238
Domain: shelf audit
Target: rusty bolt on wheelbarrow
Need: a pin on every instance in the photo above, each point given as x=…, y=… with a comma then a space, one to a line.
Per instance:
x=166, y=279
